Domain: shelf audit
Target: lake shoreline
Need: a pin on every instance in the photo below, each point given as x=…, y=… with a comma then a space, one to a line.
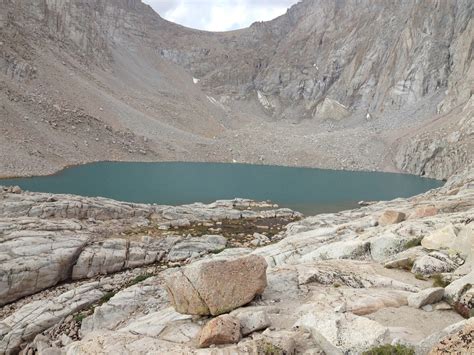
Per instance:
x=303, y=166
x=308, y=190
x=355, y=258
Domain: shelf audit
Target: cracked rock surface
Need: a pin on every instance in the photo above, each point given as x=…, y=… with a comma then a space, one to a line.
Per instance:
x=328, y=277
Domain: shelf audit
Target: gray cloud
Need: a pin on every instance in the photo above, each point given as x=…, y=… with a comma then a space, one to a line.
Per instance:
x=219, y=15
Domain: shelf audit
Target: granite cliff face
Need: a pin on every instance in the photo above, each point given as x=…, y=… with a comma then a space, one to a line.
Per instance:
x=377, y=85
x=369, y=56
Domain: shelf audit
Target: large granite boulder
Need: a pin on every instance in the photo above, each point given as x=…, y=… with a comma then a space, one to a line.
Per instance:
x=217, y=285
x=461, y=342
x=427, y=296
x=391, y=217
x=442, y=238
x=460, y=294
x=251, y=319
x=387, y=244
x=424, y=211
x=431, y=343
x=434, y=263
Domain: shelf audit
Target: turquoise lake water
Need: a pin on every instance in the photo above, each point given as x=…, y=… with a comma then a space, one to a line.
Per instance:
x=307, y=190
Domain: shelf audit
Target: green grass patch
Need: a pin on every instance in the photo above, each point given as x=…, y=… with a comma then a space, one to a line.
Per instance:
x=139, y=278
x=390, y=350
x=80, y=317
x=106, y=298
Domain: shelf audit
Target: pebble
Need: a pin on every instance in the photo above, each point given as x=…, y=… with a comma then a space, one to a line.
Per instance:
x=427, y=308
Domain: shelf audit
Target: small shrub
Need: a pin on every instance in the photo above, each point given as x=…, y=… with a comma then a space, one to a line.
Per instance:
x=270, y=349
x=336, y=284
x=390, y=350
x=80, y=317
x=439, y=281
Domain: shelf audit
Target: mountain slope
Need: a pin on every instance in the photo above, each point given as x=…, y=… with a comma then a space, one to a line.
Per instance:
x=340, y=84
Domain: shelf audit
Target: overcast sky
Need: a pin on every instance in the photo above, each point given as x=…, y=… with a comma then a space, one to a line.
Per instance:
x=219, y=15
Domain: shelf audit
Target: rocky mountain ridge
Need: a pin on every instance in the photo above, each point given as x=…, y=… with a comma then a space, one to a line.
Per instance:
x=377, y=81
